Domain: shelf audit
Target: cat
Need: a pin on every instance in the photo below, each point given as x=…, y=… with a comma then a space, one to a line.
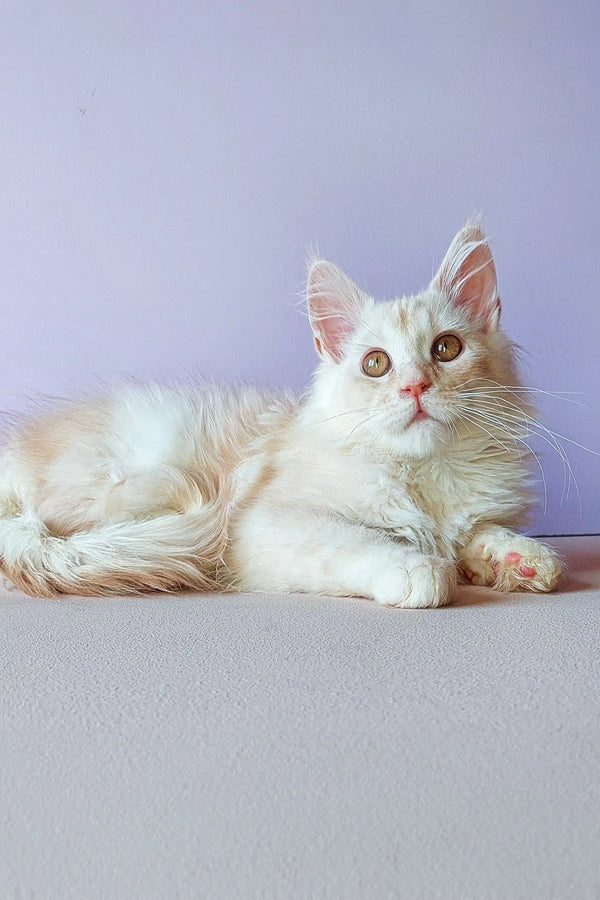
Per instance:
x=398, y=475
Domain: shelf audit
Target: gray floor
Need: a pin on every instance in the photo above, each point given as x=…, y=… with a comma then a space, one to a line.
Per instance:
x=255, y=746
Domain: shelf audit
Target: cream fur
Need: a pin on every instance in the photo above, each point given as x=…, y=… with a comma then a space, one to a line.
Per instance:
x=341, y=492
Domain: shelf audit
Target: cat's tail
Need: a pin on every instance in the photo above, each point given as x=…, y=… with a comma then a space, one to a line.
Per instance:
x=167, y=553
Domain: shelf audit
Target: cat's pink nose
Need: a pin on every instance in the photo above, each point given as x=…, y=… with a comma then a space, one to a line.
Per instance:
x=416, y=389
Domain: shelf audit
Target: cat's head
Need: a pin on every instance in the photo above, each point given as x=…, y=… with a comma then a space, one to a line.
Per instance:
x=407, y=373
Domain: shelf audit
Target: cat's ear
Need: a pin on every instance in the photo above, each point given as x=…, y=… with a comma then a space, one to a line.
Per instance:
x=334, y=306
x=467, y=277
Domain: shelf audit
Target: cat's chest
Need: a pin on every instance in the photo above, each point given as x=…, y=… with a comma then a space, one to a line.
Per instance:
x=400, y=501
x=433, y=503
x=437, y=502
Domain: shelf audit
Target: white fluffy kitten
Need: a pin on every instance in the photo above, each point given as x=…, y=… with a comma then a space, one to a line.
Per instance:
x=400, y=471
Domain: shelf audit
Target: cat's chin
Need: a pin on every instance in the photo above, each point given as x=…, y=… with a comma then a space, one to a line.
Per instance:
x=422, y=436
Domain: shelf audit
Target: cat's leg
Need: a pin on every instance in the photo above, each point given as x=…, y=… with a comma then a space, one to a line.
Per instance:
x=299, y=550
x=499, y=558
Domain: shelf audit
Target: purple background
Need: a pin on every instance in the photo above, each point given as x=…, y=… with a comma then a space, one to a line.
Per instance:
x=164, y=167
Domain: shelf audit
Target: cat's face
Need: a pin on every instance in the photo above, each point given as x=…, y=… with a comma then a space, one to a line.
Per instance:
x=406, y=373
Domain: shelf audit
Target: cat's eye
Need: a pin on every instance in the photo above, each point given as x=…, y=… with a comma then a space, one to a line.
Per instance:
x=376, y=363
x=446, y=347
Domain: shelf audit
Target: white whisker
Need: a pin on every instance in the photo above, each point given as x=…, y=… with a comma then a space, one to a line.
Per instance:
x=514, y=415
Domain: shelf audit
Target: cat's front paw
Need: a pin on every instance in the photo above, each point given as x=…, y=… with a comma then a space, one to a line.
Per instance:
x=507, y=562
x=421, y=581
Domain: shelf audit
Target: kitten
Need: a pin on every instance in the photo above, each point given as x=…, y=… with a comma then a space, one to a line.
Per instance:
x=400, y=472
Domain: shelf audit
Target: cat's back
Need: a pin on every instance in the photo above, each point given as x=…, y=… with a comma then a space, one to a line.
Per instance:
x=68, y=446
x=189, y=425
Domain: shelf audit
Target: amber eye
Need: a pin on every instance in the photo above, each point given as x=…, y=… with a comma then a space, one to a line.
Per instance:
x=376, y=363
x=446, y=347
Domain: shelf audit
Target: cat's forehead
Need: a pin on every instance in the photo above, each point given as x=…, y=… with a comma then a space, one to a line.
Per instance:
x=410, y=321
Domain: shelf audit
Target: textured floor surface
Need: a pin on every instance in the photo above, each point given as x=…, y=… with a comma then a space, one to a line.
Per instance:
x=248, y=746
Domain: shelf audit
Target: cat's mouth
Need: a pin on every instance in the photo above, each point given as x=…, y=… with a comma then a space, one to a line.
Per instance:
x=419, y=416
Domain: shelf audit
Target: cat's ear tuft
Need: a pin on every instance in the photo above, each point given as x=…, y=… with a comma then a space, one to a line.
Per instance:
x=467, y=277
x=334, y=306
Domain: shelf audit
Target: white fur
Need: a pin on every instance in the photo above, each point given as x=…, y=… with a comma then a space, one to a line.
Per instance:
x=342, y=492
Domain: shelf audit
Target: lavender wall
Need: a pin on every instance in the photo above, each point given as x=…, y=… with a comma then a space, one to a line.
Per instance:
x=165, y=165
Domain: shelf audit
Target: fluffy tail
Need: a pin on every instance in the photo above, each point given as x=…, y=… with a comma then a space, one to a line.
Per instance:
x=166, y=553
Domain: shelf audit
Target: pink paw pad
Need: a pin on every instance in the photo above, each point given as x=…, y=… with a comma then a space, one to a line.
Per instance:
x=512, y=558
